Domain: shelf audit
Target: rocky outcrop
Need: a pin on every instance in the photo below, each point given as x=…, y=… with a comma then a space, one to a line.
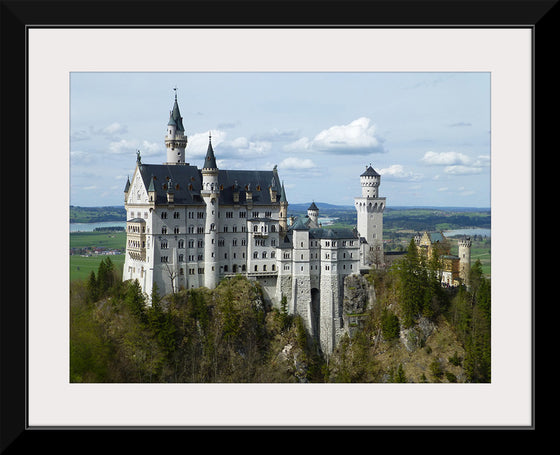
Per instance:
x=415, y=337
x=359, y=296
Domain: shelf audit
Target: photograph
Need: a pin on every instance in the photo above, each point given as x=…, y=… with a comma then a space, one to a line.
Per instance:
x=279, y=228
x=292, y=227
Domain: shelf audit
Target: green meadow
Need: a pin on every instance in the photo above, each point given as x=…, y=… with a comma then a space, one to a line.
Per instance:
x=81, y=267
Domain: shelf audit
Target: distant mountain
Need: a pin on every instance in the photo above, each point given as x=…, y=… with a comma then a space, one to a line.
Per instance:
x=322, y=206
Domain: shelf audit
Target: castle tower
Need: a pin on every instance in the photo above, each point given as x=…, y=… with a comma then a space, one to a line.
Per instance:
x=210, y=194
x=175, y=139
x=313, y=214
x=301, y=281
x=370, y=209
x=465, y=244
x=283, y=215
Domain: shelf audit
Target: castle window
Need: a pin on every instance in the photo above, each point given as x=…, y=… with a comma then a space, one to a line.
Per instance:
x=191, y=243
x=176, y=215
x=234, y=242
x=181, y=244
x=229, y=214
x=163, y=215
x=242, y=214
x=164, y=229
x=255, y=214
x=176, y=229
x=181, y=271
x=255, y=255
x=264, y=255
x=181, y=258
x=264, y=268
x=267, y=214
x=256, y=268
x=243, y=268
x=164, y=244
x=273, y=267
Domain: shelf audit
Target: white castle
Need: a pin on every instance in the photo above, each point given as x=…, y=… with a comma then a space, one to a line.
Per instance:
x=189, y=227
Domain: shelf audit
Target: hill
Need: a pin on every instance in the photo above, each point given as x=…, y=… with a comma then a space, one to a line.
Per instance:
x=96, y=214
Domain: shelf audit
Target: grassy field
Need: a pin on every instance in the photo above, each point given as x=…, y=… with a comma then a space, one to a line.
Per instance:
x=81, y=267
x=111, y=240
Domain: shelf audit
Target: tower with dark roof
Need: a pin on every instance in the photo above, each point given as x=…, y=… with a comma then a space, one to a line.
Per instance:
x=313, y=215
x=211, y=195
x=175, y=139
x=370, y=209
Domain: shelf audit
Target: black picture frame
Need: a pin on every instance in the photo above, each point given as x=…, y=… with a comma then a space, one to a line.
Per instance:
x=19, y=16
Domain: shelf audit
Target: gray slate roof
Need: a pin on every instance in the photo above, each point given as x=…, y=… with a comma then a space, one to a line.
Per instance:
x=187, y=184
x=370, y=171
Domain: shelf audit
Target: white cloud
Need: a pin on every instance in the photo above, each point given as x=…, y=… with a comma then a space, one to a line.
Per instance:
x=293, y=163
x=462, y=170
x=445, y=158
x=356, y=138
x=397, y=172
x=456, y=163
x=125, y=146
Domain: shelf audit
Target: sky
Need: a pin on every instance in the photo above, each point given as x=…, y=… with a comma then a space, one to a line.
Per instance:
x=427, y=134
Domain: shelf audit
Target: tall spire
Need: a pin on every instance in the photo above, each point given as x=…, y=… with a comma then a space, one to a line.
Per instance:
x=175, y=115
x=210, y=160
x=283, y=194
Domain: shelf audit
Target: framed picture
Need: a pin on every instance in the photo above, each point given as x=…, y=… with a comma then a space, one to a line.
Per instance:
x=58, y=59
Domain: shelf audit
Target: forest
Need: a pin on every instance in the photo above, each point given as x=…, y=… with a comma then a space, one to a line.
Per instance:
x=415, y=331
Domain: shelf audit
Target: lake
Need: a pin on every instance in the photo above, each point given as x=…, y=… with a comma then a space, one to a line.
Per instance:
x=88, y=227
x=470, y=231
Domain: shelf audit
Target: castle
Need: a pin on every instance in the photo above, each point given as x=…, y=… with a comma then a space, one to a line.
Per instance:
x=455, y=270
x=189, y=227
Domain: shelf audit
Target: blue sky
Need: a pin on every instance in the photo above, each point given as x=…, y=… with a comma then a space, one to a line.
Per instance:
x=427, y=134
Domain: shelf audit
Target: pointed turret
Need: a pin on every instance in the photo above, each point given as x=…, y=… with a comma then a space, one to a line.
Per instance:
x=210, y=160
x=313, y=215
x=175, y=140
x=283, y=214
x=126, y=188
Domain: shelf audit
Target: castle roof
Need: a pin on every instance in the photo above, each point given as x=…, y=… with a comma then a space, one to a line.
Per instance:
x=210, y=160
x=370, y=172
x=313, y=207
x=175, y=118
x=299, y=225
x=324, y=233
x=283, y=194
x=187, y=184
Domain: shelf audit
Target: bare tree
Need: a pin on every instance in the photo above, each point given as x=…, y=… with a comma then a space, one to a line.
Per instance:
x=172, y=274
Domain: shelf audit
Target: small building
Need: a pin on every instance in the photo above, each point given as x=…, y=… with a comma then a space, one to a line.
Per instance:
x=455, y=270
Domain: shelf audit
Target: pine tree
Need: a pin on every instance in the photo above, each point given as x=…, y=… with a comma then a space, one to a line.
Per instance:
x=92, y=291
